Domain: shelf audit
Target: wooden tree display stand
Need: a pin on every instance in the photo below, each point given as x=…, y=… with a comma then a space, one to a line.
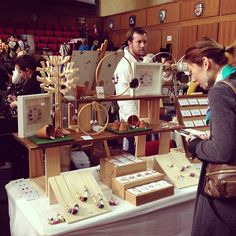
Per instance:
x=67, y=189
x=191, y=111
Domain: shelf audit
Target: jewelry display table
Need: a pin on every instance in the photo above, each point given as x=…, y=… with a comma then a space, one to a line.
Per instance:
x=166, y=217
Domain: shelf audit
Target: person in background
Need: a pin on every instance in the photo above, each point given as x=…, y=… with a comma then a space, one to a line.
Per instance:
x=208, y=65
x=21, y=43
x=26, y=66
x=14, y=46
x=135, y=50
x=95, y=45
x=84, y=46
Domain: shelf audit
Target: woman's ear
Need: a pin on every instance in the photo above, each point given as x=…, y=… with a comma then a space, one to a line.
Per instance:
x=205, y=63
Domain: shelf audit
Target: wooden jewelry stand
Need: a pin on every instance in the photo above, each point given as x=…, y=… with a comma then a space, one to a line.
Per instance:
x=191, y=112
x=67, y=189
x=178, y=168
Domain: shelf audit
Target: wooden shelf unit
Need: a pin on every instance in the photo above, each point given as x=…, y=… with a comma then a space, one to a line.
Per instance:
x=149, y=107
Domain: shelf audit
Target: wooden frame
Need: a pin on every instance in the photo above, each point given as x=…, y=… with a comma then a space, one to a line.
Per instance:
x=33, y=113
x=149, y=76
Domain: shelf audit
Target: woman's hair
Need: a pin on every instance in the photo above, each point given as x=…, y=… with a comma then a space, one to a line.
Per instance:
x=207, y=47
x=26, y=61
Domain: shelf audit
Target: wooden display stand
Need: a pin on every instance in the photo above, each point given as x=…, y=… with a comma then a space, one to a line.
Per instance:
x=121, y=184
x=178, y=168
x=109, y=169
x=163, y=190
x=191, y=111
x=67, y=189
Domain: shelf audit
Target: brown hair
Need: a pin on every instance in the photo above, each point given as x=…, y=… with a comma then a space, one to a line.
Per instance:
x=130, y=33
x=207, y=47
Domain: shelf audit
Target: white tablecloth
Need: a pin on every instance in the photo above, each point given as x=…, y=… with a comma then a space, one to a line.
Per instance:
x=168, y=216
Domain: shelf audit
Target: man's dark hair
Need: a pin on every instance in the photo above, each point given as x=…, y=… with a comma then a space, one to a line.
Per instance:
x=130, y=33
x=26, y=61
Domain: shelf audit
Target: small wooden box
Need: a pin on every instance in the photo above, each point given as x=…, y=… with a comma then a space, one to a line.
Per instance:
x=119, y=187
x=149, y=196
x=109, y=169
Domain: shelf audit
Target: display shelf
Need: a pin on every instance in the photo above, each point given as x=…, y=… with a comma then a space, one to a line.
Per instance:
x=191, y=112
x=148, y=109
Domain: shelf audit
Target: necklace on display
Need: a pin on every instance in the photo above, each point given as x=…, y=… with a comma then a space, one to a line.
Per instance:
x=72, y=210
x=84, y=197
x=98, y=201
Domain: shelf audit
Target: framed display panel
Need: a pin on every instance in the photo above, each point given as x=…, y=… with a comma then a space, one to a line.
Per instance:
x=149, y=76
x=33, y=113
x=191, y=112
x=86, y=61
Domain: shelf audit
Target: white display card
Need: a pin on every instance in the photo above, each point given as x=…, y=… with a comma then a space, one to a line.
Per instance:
x=188, y=124
x=185, y=113
x=198, y=123
x=183, y=102
x=203, y=111
x=204, y=122
x=100, y=92
x=193, y=101
x=203, y=101
x=195, y=112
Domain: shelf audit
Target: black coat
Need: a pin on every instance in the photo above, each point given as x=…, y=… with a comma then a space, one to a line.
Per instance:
x=30, y=86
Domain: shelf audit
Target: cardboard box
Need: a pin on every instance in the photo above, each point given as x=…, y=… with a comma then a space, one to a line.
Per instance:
x=110, y=168
x=122, y=183
x=149, y=196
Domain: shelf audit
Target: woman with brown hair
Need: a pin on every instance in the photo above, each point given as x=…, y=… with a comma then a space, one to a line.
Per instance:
x=208, y=65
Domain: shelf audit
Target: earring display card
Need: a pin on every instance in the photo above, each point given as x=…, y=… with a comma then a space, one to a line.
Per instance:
x=122, y=183
x=178, y=169
x=120, y=165
x=149, y=192
x=77, y=188
x=191, y=111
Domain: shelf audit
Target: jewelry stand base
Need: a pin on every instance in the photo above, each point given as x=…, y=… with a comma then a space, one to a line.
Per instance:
x=67, y=189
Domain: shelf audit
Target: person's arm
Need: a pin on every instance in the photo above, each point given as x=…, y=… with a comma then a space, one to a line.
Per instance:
x=220, y=148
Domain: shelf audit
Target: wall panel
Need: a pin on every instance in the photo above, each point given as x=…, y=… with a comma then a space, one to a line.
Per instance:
x=227, y=32
x=116, y=21
x=140, y=19
x=172, y=10
x=210, y=30
x=188, y=36
x=154, y=40
x=174, y=34
x=187, y=9
x=227, y=7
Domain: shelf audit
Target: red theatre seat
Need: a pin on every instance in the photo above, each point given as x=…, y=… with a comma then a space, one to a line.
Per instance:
x=52, y=39
x=39, y=32
x=43, y=39
x=41, y=46
x=52, y=47
x=20, y=31
x=58, y=33
x=66, y=33
x=9, y=30
x=49, y=33
x=4, y=37
x=62, y=40
x=30, y=31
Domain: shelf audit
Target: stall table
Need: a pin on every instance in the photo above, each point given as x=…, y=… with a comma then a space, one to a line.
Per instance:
x=165, y=217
